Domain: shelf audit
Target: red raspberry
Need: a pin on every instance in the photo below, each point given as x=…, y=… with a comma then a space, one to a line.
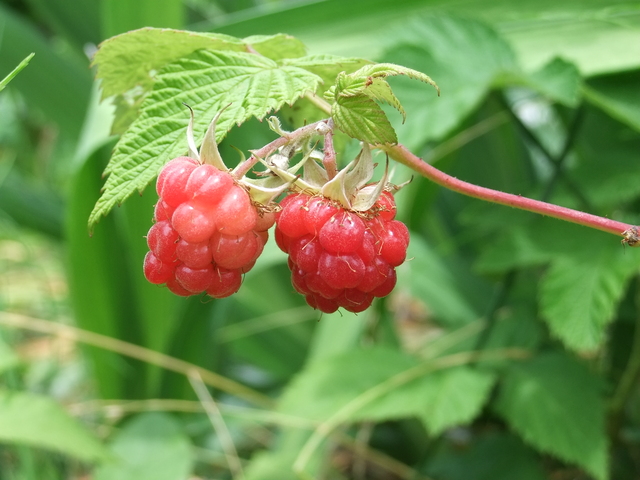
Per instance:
x=207, y=231
x=341, y=258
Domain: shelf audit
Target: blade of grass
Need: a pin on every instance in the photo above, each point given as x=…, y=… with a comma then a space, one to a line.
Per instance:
x=5, y=81
x=135, y=351
x=219, y=425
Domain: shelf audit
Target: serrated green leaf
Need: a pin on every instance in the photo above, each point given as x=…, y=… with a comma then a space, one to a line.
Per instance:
x=554, y=403
x=440, y=399
x=128, y=60
x=384, y=70
x=579, y=293
x=381, y=91
x=38, y=421
x=276, y=47
x=327, y=67
x=362, y=118
x=207, y=81
x=448, y=398
x=152, y=446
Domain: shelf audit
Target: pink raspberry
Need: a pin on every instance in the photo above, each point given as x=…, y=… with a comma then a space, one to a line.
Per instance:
x=207, y=231
x=341, y=258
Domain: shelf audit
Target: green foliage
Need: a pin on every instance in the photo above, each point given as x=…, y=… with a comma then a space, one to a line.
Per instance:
x=150, y=446
x=403, y=388
x=510, y=346
x=39, y=421
x=556, y=405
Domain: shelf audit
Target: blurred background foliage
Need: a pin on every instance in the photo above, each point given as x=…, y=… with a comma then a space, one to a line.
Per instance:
x=510, y=349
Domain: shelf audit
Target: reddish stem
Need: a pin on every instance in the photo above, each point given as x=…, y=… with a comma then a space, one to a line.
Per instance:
x=268, y=149
x=404, y=156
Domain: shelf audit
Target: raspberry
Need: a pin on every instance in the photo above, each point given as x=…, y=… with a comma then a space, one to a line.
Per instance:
x=207, y=231
x=340, y=258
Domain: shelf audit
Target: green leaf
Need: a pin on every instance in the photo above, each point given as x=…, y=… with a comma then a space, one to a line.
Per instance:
x=128, y=60
x=277, y=461
x=250, y=84
x=554, y=403
x=152, y=446
x=38, y=421
x=355, y=111
x=362, y=118
x=276, y=47
x=558, y=80
x=446, y=398
x=465, y=57
x=618, y=95
x=579, y=293
x=442, y=288
x=490, y=456
x=441, y=399
x=5, y=81
x=609, y=148
x=327, y=67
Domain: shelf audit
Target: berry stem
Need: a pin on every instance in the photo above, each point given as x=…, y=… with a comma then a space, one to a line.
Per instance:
x=318, y=128
x=401, y=154
x=329, y=159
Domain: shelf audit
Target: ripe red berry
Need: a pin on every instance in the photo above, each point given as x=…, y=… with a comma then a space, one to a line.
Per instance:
x=207, y=231
x=338, y=257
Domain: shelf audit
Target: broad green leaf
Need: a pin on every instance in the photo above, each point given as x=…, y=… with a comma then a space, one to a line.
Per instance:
x=276, y=47
x=249, y=84
x=337, y=333
x=617, y=95
x=441, y=399
x=490, y=456
x=362, y=118
x=127, y=60
x=609, y=148
x=443, y=290
x=5, y=81
x=464, y=57
x=558, y=80
x=555, y=404
x=38, y=421
x=579, y=293
x=151, y=446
